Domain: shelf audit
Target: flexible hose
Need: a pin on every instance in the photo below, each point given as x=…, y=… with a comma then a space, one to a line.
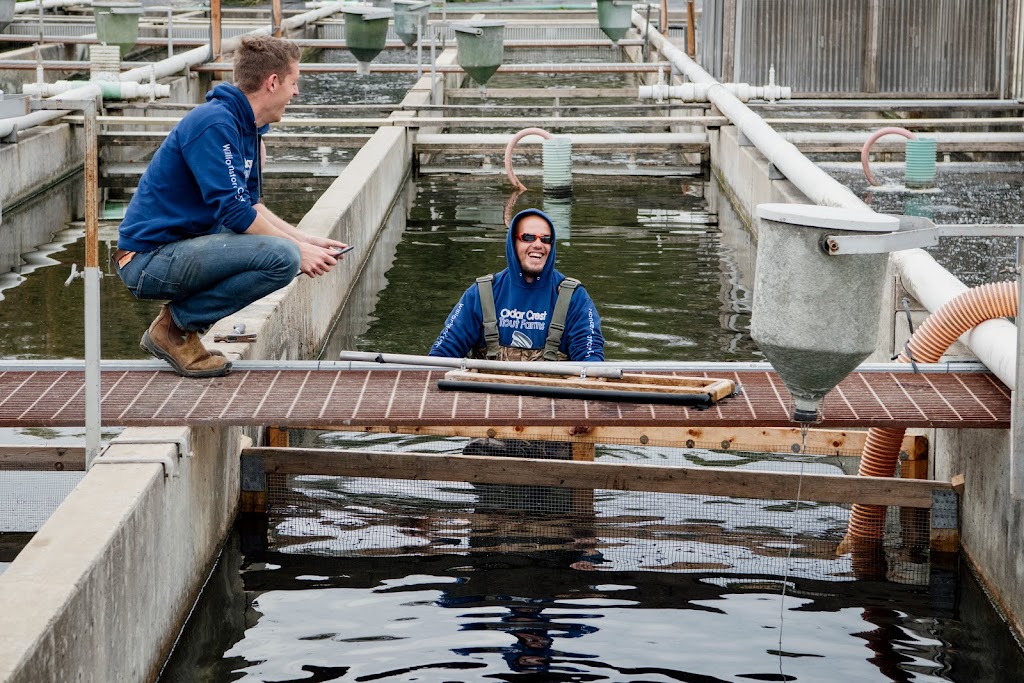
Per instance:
x=512, y=145
x=866, y=149
x=926, y=345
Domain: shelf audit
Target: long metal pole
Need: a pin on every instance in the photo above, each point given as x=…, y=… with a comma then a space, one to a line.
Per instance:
x=92, y=277
x=591, y=370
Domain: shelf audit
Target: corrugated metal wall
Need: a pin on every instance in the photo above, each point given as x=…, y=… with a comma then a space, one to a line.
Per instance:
x=836, y=48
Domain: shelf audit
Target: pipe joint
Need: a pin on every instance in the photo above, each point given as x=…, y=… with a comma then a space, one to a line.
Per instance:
x=699, y=92
x=111, y=90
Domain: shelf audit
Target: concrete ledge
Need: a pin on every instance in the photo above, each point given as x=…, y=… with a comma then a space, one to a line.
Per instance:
x=98, y=593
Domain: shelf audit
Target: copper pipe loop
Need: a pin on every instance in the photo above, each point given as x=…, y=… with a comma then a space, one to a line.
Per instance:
x=926, y=345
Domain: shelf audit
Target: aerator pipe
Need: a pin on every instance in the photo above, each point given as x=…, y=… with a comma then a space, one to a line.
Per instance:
x=927, y=344
x=992, y=341
x=817, y=185
x=565, y=369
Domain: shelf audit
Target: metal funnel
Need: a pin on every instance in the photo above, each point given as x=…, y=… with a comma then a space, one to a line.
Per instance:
x=815, y=316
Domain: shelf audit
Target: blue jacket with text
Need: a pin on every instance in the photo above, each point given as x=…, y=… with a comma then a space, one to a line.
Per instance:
x=523, y=312
x=204, y=177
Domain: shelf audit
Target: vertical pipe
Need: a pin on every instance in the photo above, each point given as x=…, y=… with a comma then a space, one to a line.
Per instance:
x=1017, y=408
x=215, y=34
x=276, y=18
x=664, y=17
x=92, y=286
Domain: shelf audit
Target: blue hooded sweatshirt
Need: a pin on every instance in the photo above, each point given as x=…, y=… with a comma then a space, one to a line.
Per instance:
x=204, y=176
x=524, y=310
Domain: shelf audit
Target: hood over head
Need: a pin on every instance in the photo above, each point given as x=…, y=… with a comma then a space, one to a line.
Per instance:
x=510, y=251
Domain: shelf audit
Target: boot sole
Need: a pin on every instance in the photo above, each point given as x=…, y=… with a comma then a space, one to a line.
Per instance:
x=149, y=347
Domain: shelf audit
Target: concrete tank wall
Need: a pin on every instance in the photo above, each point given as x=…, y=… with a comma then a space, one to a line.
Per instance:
x=102, y=590
x=97, y=593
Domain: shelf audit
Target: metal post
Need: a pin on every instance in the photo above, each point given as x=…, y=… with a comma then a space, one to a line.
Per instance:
x=1017, y=406
x=419, y=48
x=433, y=64
x=215, y=31
x=92, y=276
x=170, y=32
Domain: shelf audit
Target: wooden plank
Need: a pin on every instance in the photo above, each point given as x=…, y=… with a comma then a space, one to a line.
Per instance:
x=666, y=384
x=755, y=439
x=43, y=458
x=707, y=481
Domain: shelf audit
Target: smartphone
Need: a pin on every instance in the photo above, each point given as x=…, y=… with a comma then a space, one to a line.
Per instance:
x=347, y=249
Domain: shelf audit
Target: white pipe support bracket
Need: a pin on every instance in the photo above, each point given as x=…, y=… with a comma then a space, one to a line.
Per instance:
x=169, y=463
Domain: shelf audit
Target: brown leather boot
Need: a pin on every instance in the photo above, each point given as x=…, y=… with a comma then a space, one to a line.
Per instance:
x=182, y=350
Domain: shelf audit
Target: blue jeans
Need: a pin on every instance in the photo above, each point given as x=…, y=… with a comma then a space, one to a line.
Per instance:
x=210, y=277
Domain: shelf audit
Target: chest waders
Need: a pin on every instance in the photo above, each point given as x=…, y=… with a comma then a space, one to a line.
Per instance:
x=527, y=498
x=495, y=351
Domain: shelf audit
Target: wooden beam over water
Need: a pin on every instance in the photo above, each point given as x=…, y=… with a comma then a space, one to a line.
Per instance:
x=705, y=481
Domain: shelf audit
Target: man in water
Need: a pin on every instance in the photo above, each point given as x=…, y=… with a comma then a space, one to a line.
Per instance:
x=196, y=232
x=528, y=311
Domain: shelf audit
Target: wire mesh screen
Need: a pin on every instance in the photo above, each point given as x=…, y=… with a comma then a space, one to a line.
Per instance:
x=601, y=529
x=28, y=498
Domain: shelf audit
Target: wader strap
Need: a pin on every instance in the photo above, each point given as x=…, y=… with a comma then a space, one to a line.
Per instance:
x=490, y=316
x=557, y=325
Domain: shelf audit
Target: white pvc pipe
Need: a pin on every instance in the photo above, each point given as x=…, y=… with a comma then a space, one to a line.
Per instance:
x=162, y=69
x=698, y=92
x=993, y=342
x=37, y=118
x=817, y=185
x=20, y=7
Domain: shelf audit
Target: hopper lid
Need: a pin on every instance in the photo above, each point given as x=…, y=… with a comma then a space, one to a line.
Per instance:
x=828, y=217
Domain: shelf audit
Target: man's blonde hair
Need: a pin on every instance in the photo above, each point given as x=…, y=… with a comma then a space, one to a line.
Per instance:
x=259, y=56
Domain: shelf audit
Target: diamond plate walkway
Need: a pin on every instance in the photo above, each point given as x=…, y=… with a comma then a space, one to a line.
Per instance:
x=402, y=398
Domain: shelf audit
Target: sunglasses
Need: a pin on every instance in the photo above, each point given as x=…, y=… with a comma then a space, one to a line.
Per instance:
x=530, y=237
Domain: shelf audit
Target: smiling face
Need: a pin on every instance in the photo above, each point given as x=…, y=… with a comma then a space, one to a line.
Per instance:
x=532, y=255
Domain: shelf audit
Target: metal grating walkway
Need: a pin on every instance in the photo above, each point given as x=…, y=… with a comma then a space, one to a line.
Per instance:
x=340, y=398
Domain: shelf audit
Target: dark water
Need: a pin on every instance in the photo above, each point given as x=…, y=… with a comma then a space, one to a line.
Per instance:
x=648, y=252
x=362, y=580
x=963, y=193
x=301, y=617
x=367, y=580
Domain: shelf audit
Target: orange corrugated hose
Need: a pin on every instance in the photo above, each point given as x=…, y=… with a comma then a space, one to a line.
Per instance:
x=926, y=345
